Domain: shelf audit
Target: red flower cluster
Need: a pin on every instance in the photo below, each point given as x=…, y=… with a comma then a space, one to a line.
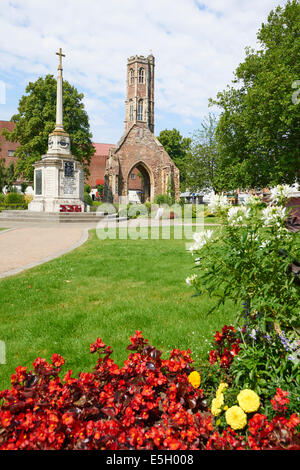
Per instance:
x=279, y=434
x=227, y=347
x=276, y=434
x=148, y=403
x=280, y=401
x=228, y=440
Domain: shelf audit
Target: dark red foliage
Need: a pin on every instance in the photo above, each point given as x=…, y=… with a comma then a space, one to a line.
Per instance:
x=276, y=434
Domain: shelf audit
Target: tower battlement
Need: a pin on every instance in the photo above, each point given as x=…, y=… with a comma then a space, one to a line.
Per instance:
x=140, y=58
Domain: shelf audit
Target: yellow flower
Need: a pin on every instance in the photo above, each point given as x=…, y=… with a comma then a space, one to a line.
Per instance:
x=216, y=404
x=195, y=379
x=221, y=388
x=235, y=417
x=248, y=400
x=215, y=410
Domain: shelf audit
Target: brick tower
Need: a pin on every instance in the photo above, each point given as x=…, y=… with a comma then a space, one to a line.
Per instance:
x=139, y=168
x=139, y=104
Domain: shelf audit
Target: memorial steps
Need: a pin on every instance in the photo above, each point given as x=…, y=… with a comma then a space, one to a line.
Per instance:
x=56, y=217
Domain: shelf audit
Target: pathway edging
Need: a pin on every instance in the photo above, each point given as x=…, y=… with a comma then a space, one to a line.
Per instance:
x=80, y=242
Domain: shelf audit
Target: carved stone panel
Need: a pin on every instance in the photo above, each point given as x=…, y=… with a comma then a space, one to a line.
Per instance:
x=69, y=169
x=38, y=182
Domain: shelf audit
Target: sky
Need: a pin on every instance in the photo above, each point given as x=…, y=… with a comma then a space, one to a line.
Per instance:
x=197, y=45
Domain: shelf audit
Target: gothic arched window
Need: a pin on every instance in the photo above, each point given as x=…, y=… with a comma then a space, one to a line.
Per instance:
x=131, y=76
x=131, y=112
x=140, y=110
x=141, y=75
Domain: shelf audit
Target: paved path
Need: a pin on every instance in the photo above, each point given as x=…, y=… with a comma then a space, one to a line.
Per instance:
x=24, y=247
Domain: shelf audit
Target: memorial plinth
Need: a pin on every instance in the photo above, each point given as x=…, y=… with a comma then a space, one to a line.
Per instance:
x=58, y=185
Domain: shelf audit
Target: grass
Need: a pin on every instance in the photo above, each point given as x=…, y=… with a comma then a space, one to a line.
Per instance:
x=108, y=289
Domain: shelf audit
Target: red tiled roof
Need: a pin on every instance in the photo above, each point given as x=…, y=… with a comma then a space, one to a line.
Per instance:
x=103, y=149
x=7, y=125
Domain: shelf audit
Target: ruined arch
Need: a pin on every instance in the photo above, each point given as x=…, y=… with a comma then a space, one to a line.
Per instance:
x=142, y=184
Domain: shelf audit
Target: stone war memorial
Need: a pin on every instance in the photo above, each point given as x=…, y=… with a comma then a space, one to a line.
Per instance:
x=58, y=177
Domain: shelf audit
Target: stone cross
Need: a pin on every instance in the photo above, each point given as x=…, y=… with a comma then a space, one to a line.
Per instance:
x=59, y=98
x=60, y=54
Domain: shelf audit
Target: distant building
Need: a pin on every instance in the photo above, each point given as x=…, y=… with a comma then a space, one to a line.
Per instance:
x=98, y=163
x=7, y=149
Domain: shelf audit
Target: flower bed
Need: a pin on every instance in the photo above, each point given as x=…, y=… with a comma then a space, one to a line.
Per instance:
x=148, y=403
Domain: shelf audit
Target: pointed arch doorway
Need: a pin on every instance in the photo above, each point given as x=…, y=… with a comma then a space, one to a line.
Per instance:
x=139, y=184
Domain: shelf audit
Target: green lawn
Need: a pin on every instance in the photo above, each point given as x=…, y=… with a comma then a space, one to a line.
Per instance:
x=105, y=289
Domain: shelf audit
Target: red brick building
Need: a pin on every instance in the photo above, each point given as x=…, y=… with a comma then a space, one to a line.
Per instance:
x=98, y=163
x=7, y=149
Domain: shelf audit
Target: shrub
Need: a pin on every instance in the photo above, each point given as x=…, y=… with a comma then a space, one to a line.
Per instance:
x=23, y=187
x=14, y=207
x=14, y=198
x=87, y=199
x=28, y=198
x=251, y=262
x=163, y=199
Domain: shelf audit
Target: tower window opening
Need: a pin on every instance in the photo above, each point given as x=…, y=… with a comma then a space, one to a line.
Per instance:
x=140, y=110
x=131, y=112
x=131, y=76
x=141, y=75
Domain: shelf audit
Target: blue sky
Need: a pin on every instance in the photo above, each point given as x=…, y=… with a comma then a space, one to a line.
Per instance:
x=197, y=45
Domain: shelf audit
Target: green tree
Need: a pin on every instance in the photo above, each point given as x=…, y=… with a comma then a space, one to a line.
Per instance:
x=259, y=130
x=202, y=168
x=178, y=148
x=9, y=177
x=36, y=119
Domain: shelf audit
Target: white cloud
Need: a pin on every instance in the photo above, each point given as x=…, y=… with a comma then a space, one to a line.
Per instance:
x=197, y=45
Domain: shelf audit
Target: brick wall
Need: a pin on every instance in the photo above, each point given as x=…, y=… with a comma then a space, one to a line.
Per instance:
x=135, y=182
x=98, y=162
x=5, y=146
